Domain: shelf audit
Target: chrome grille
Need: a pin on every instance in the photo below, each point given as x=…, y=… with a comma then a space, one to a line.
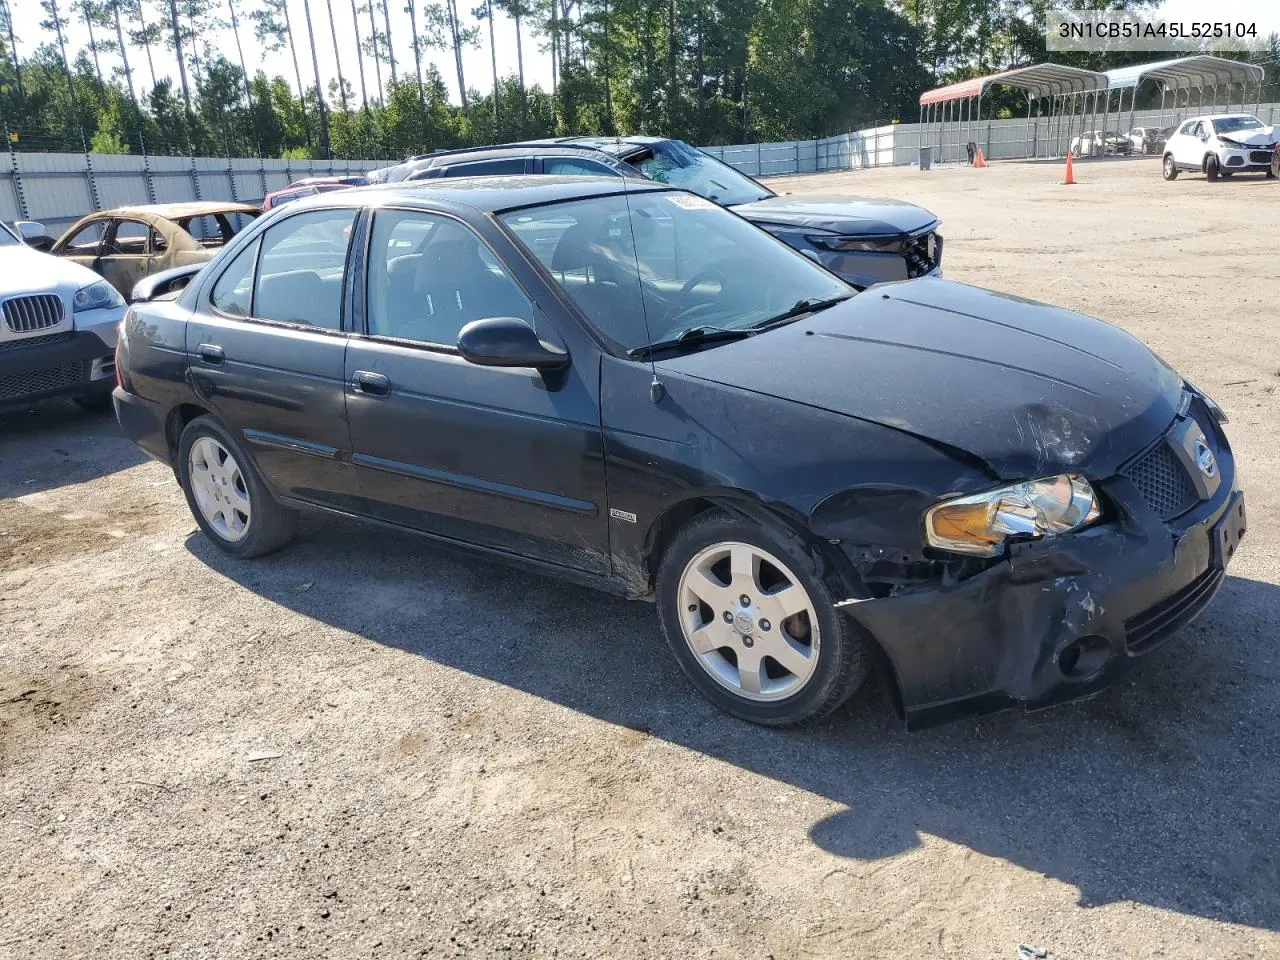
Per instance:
x=1163, y=483
x=921, y=253
x=38, y=312
x=33, y=382
x=36, y=341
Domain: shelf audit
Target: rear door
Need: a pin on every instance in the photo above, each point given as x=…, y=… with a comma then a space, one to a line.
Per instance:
x=126, y=254
x=267, y=350
x=500, y=457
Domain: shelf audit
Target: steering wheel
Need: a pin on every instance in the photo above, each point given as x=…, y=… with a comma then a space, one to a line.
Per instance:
x=702, y=276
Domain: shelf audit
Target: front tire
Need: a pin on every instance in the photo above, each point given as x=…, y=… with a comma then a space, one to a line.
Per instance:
x=227, y=496
x=1211, y=168
x=1170, y=169
x=750, y=621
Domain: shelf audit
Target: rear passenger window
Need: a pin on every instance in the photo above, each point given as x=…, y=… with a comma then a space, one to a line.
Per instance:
x=300, y=269
x=430, y=276
x=233, y=291
x=487, y=168
x=576, y=167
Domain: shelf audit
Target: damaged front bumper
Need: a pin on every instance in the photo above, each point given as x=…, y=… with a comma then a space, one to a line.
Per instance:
x=1057, y=620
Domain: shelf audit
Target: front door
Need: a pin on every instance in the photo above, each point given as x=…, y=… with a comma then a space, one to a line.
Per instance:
x=267, y=352
x=126, y=254
x=499, y=457
x=85, y=245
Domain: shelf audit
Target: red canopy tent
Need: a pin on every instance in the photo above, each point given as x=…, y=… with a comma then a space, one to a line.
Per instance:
x=950, y=115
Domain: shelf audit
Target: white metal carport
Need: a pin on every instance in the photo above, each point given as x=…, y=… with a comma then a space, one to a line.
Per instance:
x=950, y=115
x=1187, y=74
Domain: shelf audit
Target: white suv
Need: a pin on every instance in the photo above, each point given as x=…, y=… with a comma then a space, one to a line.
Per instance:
x=1220, y=146
x=58, y=325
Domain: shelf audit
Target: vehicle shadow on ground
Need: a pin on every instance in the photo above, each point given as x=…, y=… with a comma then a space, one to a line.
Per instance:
x=56, y=444
x=1161, y=791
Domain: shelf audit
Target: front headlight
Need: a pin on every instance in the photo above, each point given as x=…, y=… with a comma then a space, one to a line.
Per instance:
x=856, y=244
x=980, y=524
x=96, y=296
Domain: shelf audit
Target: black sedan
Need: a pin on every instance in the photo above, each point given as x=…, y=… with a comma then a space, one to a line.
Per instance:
x=634, y=388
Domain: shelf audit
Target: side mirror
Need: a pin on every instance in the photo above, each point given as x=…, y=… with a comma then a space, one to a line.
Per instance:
x=164, y=285
x=508, y=342
x=34, y=234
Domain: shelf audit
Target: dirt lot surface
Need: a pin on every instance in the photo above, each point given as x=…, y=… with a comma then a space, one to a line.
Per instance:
x=465, y=760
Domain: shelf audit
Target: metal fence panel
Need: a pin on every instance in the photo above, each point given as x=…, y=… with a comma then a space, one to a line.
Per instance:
x=56, y=187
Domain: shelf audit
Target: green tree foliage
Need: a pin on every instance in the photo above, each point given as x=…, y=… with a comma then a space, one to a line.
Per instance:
x=708, y=71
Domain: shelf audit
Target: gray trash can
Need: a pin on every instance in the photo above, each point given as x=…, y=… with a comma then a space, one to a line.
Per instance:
x=926, y=158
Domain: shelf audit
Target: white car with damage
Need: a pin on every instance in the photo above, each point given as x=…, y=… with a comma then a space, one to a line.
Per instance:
x=1220, y=145
x=58, y=325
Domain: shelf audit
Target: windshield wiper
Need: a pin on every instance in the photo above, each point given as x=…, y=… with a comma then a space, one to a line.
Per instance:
x=799, y=309
x=693, y=337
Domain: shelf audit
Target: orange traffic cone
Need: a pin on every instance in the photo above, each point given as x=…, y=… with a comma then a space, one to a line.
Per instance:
x=979, y=160
x=1069, y=178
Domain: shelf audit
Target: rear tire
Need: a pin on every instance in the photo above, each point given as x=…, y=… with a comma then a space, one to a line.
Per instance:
x=784, y=656
x=1211, y=169
x=1169, y=169
x=227, y=496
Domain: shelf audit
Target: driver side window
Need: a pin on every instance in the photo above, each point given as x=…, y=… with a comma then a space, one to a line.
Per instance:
x=429, y=276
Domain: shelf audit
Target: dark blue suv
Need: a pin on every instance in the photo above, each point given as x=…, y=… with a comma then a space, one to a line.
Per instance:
x=864, y=240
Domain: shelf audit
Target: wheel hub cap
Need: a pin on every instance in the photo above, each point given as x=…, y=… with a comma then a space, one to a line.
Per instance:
x=219, y=487
x=751, y=625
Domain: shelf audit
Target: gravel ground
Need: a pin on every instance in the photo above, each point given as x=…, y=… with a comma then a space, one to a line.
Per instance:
x=365, y=746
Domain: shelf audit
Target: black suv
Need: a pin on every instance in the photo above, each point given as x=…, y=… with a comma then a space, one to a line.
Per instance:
x=864, y=240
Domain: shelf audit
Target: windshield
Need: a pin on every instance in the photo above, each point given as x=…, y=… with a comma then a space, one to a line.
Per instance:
x=7, y=239
x=1232, y=124
x=649, y=266
x=676, y=163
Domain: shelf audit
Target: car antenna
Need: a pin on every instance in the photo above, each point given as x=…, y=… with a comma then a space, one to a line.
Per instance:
x=656, y=390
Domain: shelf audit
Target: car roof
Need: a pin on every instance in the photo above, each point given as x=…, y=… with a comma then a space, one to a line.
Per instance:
x=484, y=194
x=614, y=146
x=180, y=211
x=1225, y=116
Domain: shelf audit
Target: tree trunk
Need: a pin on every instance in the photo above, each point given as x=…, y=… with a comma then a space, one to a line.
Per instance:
x=493, y=55
x=13, y=50
x=297, y=73
x=146, y=44
x=93, y=41
x=195, y=53
x=455, y=31
x=555, y=47
x=355, y=23
x=417, y=50
x=391, y=50
x=377, y=60
x=337, y=57
x=607, y=67
x=524, y=104
x=673, y=92
x=124, y=52
x=315, y=65
x=235, y=30
x=177, y=50
x=700, y=78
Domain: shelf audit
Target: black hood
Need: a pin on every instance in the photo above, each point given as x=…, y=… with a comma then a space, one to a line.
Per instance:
x=1030, y=389
x=866, y=216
